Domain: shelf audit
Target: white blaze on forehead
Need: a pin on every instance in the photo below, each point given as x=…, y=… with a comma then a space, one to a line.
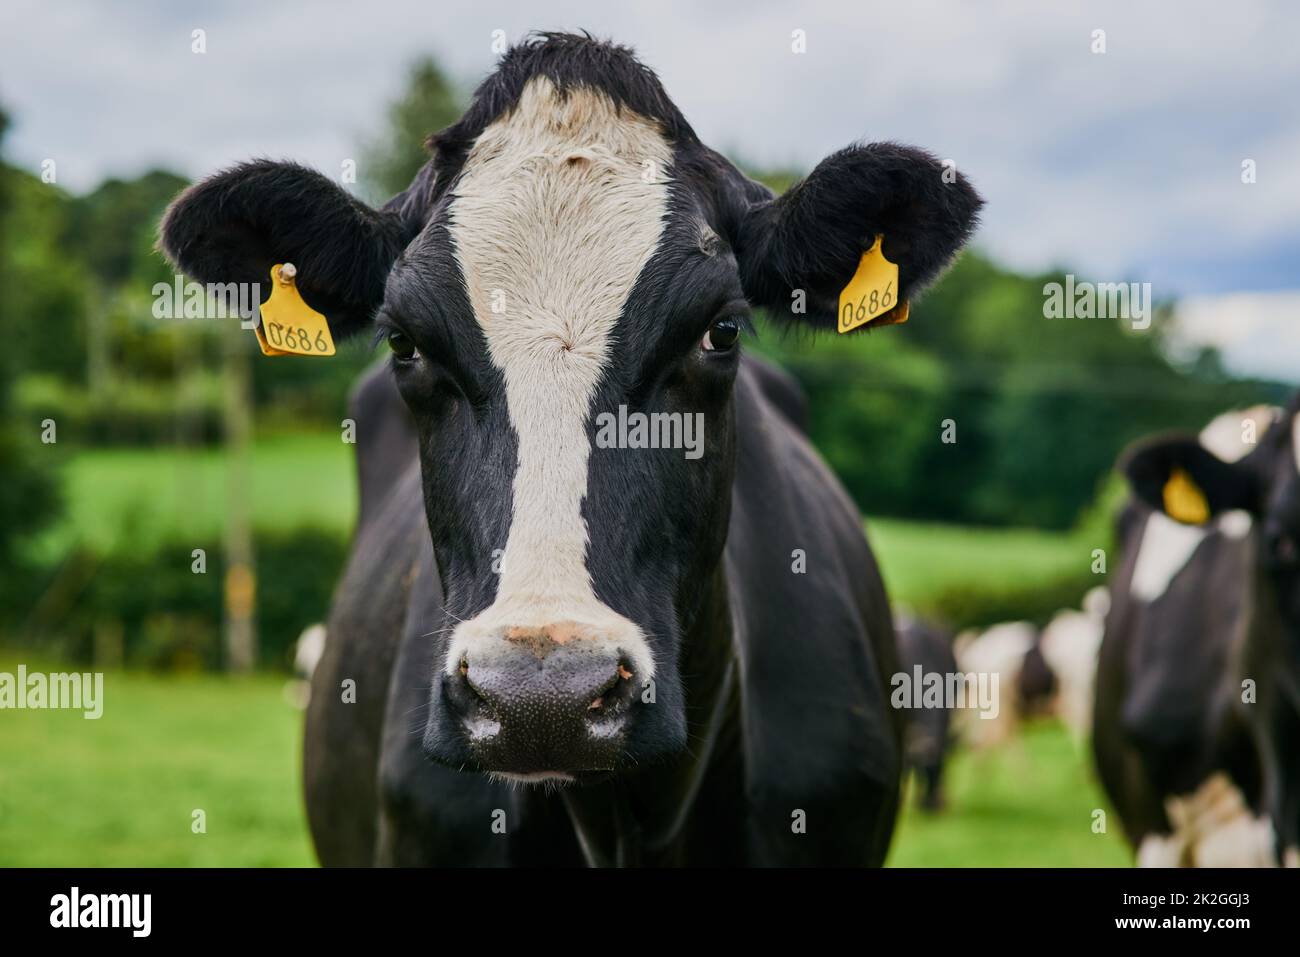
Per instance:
x=560, y=205
x=1166, y=548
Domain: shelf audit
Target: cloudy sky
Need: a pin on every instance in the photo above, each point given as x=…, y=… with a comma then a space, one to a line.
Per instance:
x=1120, y=165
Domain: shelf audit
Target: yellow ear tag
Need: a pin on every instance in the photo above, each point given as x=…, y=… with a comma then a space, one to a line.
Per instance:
x=872, y=294
x=1184, y=502
x=289, y=326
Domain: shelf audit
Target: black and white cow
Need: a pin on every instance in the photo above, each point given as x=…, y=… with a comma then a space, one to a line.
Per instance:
x=1197, y=718
x=629, y=629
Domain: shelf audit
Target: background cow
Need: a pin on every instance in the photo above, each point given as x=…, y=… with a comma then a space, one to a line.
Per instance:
x=1000, y=650
x=612, y=655
x=1197, y=767
x=1069, y=646
x=929, y=730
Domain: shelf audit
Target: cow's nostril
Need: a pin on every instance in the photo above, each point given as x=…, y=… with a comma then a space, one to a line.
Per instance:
x=614, y=696
x=603, y=690
x=478, y=693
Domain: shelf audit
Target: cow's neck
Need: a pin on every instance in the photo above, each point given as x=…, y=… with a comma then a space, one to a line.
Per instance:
x=641, y=817
x=1271, y=645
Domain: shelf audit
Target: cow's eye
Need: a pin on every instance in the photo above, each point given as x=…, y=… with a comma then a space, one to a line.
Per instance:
x=722, y=335
x=401, y=345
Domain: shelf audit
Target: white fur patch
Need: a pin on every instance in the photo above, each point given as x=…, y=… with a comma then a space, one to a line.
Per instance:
x=999, y=653
x=1227, y=435
x=1166, y=548
x=1235, y=524
x=1161, y=850
x=561, y=204
x=1069, y=646
x=1214, y=827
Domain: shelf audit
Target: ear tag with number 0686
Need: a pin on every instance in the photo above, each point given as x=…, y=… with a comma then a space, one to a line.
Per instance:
x=289, y=326
x=872, y=293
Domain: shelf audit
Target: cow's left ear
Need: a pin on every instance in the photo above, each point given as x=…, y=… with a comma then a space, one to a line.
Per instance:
x=1177, y=475
x=234, y=226
x=813, y=236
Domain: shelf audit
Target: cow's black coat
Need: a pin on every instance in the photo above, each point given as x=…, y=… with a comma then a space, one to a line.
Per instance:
x=1174, y=677
x=771, y=740
x=929, y=730
x=1167, y=712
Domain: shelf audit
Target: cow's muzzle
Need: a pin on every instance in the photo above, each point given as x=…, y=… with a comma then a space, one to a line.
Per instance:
x=551, y=700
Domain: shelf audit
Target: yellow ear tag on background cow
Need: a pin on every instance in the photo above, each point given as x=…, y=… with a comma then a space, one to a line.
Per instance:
x=1184, y=502
x=289, y=326
x=872, y=294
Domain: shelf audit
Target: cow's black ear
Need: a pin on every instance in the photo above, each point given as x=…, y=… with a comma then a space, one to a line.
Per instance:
x=1177, y=475
x=813, y=236
x=234, y=226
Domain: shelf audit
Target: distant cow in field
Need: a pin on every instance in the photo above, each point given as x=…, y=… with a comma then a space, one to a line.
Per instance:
x=1069, y=646
x=1197, y=716
x=929, y=730
x=999, y=651
x=591, y=650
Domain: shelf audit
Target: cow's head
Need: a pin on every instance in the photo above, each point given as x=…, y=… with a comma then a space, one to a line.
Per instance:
x=571, y=248
x=1178, y=476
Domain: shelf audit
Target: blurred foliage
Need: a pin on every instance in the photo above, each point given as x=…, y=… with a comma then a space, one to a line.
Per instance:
x=112, y=230
x=78, y=321
x=27, y=493
x=132, y=413
x=975, y=576
x=1041, y=408
x=983, y=605
x=167, y=616
x=428, y=103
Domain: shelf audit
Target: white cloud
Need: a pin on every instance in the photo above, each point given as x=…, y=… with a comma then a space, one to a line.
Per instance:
x=1258, y=333
x=1122, y=165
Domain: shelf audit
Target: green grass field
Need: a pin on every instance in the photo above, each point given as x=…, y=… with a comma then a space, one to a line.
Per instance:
x=121, y=791
x=141, y=496
x=920, y=559
x=1029, y=803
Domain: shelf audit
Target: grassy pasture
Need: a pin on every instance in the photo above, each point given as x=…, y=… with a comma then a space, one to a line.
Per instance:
x=133, y=497
x=121, y=791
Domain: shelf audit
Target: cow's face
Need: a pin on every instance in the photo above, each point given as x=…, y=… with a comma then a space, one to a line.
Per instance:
x=1264, y=483
x=562, y=289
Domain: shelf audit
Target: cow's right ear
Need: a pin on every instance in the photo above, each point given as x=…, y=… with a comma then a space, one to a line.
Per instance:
x=234, y=226
x=812, y=238
x=1178, y=476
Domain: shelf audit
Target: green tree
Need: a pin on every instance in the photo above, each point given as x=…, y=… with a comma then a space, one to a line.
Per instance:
x=27, y=496
x=1040, y=408
x=113, y=227
x=428, y=104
